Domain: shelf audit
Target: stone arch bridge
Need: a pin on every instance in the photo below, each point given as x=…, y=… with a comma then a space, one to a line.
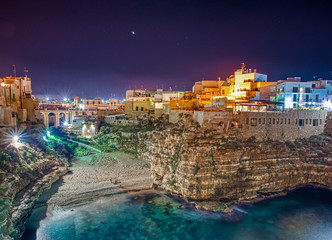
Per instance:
x=56, y=118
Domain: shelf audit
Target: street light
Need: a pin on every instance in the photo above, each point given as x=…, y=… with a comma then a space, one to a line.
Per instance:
x=15, y=139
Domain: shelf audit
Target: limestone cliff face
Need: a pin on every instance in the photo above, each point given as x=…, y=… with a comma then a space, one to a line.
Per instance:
x=25, y=172
x=205, y=163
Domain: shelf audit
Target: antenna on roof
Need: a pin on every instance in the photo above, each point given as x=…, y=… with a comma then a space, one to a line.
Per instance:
x=26, y=72
x=14, y=70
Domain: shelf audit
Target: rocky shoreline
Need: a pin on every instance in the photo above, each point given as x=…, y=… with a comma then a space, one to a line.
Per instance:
x=20, y=212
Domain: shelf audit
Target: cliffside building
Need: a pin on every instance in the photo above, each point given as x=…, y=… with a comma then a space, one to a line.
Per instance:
x=245, y=84
x=294, y=93
x=143, y=103
x=16, y=101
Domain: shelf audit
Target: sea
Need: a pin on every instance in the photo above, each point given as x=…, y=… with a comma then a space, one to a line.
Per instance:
x=304, y=214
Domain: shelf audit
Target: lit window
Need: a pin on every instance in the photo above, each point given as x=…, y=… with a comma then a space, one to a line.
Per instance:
x=254, y=122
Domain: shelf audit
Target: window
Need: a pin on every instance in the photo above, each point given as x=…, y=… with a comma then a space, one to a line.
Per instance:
x=310, y=121
x=295, y=89
x=136, y=108
x=263, y=120
x=301, y=122
x=141, y=108
x=259, y=121
x=306, y=121
x=288, y=120
x=280, y=121
x=269, y=120
x=223, y=91
x=253, y=122
x=295, y=121
x=277, y=120
x=307, y=90
x=316, y=98
x=247, y=121
x=315, y=122
x=274, y=121
x=273, y=89
x=307, y=97
x=294, y=98
x=320, y=121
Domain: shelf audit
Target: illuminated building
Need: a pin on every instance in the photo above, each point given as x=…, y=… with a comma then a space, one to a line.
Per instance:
x=296, y=94
x=143, y=103
x=97, y=104
x=16, y=101
x=245, y=84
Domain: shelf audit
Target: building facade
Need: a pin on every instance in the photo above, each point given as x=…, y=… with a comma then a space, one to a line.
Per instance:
x=16, y=101
x=294, y=93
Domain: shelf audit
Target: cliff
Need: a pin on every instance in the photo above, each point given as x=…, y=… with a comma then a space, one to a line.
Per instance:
x=26, y=170
x=206, y=163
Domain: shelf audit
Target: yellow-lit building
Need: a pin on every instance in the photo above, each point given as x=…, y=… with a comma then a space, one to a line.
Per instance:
x=143, y=103
x=245, y=84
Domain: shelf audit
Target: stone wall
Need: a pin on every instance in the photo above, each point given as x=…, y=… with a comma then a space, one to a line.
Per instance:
x=121, y=122
x=280, y=126
x=176, y=115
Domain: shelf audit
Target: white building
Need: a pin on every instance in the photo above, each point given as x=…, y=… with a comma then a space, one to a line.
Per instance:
x=294, y=94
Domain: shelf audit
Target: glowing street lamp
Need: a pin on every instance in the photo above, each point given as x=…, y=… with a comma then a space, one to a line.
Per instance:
x=15, y=139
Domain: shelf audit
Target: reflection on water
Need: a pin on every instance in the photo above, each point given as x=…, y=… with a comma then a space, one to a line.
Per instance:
x=302, y=214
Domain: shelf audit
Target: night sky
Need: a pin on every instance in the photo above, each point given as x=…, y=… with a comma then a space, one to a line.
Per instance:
x=91, y=48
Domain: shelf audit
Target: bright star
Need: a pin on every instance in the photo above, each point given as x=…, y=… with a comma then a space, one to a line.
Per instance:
x=133, y=33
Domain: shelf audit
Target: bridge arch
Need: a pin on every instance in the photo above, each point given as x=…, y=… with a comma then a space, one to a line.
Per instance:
x=52, y=120
x=63, y=118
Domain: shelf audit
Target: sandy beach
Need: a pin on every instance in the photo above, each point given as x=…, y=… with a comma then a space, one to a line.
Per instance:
x=101, y=175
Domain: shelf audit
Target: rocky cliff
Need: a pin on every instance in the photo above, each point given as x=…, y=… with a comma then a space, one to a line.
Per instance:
x=206, y=163
x=26, y=170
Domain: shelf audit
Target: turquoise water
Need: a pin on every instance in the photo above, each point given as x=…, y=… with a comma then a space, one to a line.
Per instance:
x=302, y=214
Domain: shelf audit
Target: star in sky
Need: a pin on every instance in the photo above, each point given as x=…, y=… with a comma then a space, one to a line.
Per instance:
x=132, y=32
